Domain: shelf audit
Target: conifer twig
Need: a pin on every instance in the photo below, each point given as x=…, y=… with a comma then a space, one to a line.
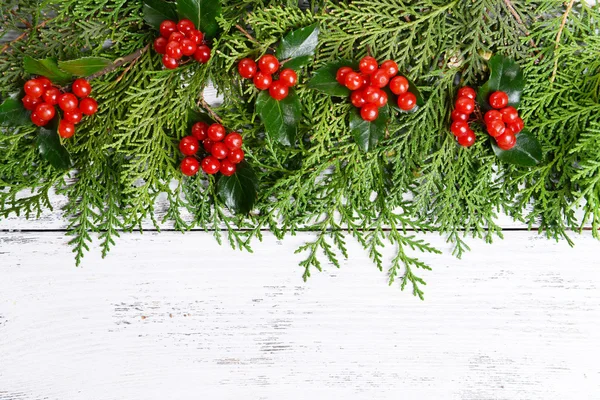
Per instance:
x=212, y=113
x=558, y=36
x=245, y=32
x=119, y=62
x=22, y=36
x=515, y=14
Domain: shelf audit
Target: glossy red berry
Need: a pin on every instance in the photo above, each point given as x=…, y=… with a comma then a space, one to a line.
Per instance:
x=498, y=100
x=491, y=116
x=185, y=26
x=268, y=64
x=169, y=62
x=233, y=141
x=383, y=99
x=247, y=68
x=189, y=146
x=37, y=120
x=51, y=96
x=45, y=82
x=340, y=76
x=68, y=102
x=399, y=85
x=278, y=90
x=196, y=36
x=81, y=88
x=465, y=105
x=216, y=132
x=467, y=140
x=188, y=47
x=202, y=54
x=262, y=81
x=45, y=111
x=74, y=116
x=509, y=114
x=227, y=168
x=66, y=129
x=236, y=156
x=88, y=106
x=371, y=94
x=176, y=37
x=353, y=81
x=368, y=65
x=167, y=27
x=516, y=126
x=288, y=77
x=458, y=116
x=30, y=103
x=190, y=166
x=210, y=165
x=358, y=98
x=390, y=68
x=459, y=128
x=207, y=144
x=174, y=50
x=200, y=130
x=506, y=141
x=34, y=88
x=160, y=45
x=219, y=151
x=369, y=112
x=496, y=128
x=407, y=101
x=468, y=92
x=380, y=79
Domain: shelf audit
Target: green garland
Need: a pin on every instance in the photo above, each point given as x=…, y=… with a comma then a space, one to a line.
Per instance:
x=311, y=173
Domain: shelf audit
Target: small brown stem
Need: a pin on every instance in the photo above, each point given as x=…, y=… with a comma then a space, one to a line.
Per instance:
x=119, y=62
x=558, y=36
x=22, y=36
x=515, y=14
x=245, y=32
x=202, y=103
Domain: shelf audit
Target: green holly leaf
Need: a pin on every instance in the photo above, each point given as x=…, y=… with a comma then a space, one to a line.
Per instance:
x=505, y=76
x=203, y=13
x=12, y=113
x=52, y=150
x=367, y=134
x=156, y=11
x=324, y=79
x=281, y=118
x=299, y=45
x=239, y=191
x=297, y=63
x=526, y=153
x=85, y=66
x=47, y=67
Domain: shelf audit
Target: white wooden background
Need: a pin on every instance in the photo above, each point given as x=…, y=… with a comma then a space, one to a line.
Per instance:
x=172, y=316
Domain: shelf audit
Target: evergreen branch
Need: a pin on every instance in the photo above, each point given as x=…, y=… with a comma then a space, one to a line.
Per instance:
x=558, y=36
x=130, y=59
x=23, y=35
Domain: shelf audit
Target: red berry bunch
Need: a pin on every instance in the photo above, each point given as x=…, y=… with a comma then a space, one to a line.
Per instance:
x=41, y=97
x=367, y=86
x=463, y=108
x=178, y=40
x=262, y=75
x=503, y=122
x=224, y=150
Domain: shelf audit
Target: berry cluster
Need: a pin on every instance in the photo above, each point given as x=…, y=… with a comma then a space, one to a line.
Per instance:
x=180, y=39
x=463, y=108
x=224, y=150
x=503, y=123
x=41, y=97
x=367, y=86
x=262, y=75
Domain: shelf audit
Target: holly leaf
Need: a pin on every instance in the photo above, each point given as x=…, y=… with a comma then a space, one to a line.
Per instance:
x=52, y=150
x=47, y=67
x=367, y=134
x=324, y=79
x=299, y=45
x=239, y=190
x=85, y=66
x=281, y=118
x=297, y=63
x=203, y=13
x=526, y=153
x=12, y=113
x=505, y=76
x=157, y=11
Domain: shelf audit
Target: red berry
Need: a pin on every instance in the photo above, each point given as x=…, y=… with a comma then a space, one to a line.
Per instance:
x=216, y=132
x=380, y=79
x=383, y=99
x=51, y=96
x=236, y=156
x=189, y=146
x=516, y=126
x=185, y=26
x=66, y=129
x=227, y=168
x=160, y=45
x=188, y=47
x=369, y=112
x=202, y=54
x=81, y=88
x=247, y=68
x=353, y=81
x=459, y=128
x=288, y=77
x=46, y=83
x=496, y=128
x=399, y=85
x=190, y=166
x=358, y=98
x=407, y=101
x=219, y=151
x=368, y=65
x=491, y=116
x=196, y=36
x=506, y=141
x=340, y=76
x=68, y=102
x=390, y=68
x=30, y=103
x=34, y=88
x=45, y=111
x=467, y=140
x=88, y=106
x=278, y=90
x=37, y=120
x=233, y=141
x=176, y=37
x=169, y=62
x=458, y=116
x=371, y=94
x=207, y=144
x=467, y=92
x=74, y=116
x=210, y=165
x=465, y=105
x=268, y=64
x=498, y=100
x=509, y=114
x=200, y=130
x=167, y=27
x=174, y=50
x=262, y=81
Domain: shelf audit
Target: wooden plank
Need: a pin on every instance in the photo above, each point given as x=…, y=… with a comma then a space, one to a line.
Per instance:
x=174, y=316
